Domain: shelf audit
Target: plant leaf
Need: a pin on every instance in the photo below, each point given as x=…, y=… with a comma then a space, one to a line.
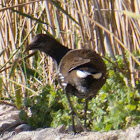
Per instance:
x=131, y=14
x=14, y=66
x=1, y=87
x=18, y=96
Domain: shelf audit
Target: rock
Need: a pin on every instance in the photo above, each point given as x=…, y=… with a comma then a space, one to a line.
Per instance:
x=23, y=127
x=132, y=133
x=61, y=129
x=77, y=128
x=9, y=116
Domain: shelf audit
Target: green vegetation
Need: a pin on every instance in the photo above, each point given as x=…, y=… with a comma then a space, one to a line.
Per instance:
x=115, y=106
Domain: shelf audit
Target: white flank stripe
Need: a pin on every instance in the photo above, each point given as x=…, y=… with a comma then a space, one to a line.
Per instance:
x=64, y=84
x=61, y=77
x=82, y=74
x=97, y=75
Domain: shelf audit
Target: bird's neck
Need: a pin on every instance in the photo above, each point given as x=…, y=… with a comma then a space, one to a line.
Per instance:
x=58, y=52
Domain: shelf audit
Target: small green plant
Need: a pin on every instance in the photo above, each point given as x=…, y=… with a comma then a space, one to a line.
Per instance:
x=115, y=106
x=40, y=107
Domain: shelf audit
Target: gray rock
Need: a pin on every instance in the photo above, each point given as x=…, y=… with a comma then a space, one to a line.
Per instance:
x=9, y=116
x=23, y=127
x=132, y=133
x=61, y=129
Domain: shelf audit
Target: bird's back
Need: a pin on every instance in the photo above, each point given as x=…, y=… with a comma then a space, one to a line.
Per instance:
x=82, y=72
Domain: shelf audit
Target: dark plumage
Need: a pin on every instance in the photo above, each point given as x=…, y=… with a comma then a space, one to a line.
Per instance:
x=82, y=72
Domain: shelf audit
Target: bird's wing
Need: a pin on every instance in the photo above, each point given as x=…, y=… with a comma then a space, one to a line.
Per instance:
x=78, y=61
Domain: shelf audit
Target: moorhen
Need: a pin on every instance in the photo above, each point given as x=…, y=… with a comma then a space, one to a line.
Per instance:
x=82, y=72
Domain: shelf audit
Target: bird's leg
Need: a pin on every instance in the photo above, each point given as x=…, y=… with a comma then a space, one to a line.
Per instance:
x=85, y=111
x=72, y=111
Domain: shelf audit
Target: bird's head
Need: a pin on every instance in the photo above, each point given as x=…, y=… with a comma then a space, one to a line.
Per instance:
x=42, y=42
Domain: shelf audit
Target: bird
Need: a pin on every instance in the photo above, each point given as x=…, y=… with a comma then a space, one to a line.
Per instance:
x=81, y=72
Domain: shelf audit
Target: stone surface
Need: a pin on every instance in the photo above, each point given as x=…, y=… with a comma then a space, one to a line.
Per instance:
x=9, y=116
x=132, y=133
x=23, y=127
x=61, y=129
